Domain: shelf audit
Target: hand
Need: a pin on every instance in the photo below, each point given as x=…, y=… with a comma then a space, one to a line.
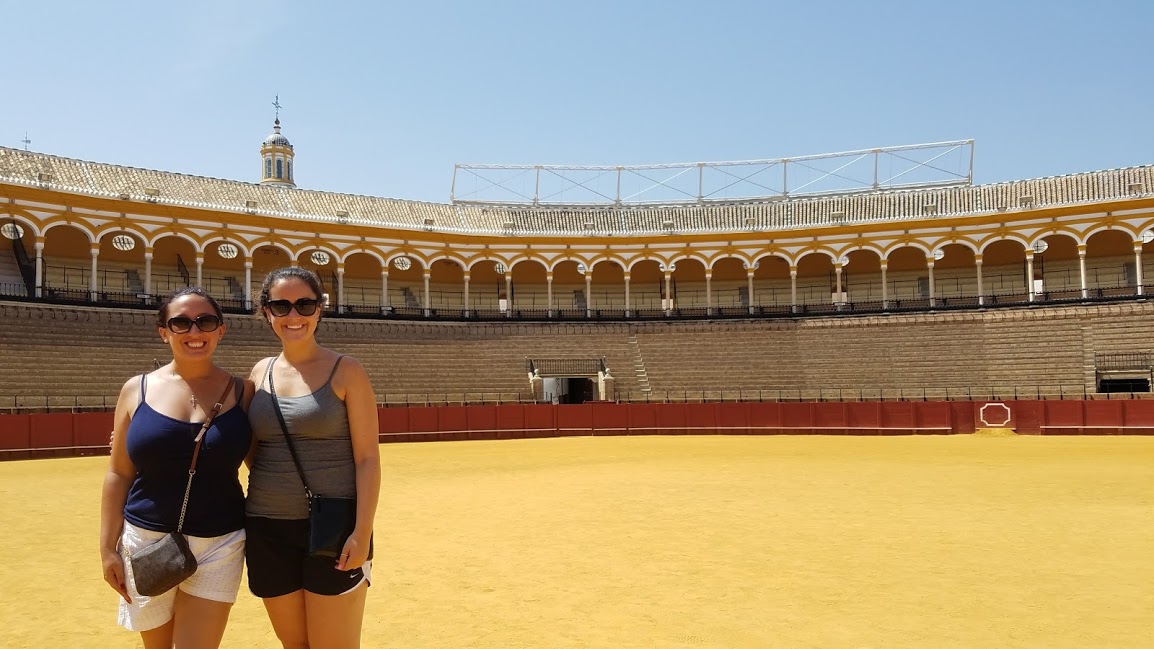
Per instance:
x=114, y=573
x=353, y=555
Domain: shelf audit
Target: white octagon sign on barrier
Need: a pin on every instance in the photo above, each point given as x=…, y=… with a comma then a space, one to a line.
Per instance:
x=994, y=415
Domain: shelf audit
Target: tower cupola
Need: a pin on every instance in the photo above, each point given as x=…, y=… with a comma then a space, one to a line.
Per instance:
x=277, y=158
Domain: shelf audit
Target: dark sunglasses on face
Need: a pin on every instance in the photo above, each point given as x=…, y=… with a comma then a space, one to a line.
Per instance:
x=183, y=324
x=304, y=307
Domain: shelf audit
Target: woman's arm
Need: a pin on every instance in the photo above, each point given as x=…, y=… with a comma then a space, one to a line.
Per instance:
x=117, y=481
x=361, y=404
x=246, y=399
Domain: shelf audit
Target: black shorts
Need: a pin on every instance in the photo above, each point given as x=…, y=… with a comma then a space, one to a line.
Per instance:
x=279, y=563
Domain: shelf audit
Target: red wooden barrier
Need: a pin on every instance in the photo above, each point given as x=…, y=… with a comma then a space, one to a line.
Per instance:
x=15, y=432
x=55, y=434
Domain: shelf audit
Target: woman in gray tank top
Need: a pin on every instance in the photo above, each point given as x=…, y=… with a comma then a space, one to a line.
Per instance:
x=330, y=412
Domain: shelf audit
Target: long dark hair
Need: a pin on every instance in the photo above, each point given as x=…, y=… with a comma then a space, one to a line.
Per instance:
x=162, y=312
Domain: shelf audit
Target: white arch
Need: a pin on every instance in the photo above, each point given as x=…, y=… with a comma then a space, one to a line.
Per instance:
x=926, y=250
x=91, y=236
x=605, y=260
x=660, y=262
x=372, y=252
x=1009, y=237
x=33, y=227
x=497, y=260
x=333, y=256
x=239, y=245
x=691, y=255
x=1103, y=228
x=178, y=235
x=417, y=261
x=257, y=245
x=965, y=243
x=745, y=261
x=577, y=260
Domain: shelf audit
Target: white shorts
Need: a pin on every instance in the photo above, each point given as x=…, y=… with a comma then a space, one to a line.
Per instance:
x=219, y=562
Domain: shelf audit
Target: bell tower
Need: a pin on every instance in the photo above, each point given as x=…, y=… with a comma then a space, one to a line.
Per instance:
x=277, y=156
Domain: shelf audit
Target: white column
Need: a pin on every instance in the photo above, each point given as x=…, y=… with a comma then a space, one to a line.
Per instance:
x=930, y=268
x=627, y=295
x=200, y=269
x=589, y=293
x=837, y=285
x=549, y=292
x=793, y=288
x=1082, y=269
x=1030, y=275
x=981, y=289
x=749, y=280
x=1137, y=268
x=39, y=268
x=340, y=288
x=384, y=288
x=885, y=286
x=508, y=294
x=709, y=293
x=92, y=286
x=427, y=298
x=248, y=285
x=467, y=295
x=668, y=294
x=148, y=273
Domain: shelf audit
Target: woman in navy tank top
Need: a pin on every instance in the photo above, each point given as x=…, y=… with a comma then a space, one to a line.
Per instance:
x=158, y=416
x=330, y=412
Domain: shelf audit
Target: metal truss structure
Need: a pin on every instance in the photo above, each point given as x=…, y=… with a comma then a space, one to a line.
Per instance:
x=936, y=164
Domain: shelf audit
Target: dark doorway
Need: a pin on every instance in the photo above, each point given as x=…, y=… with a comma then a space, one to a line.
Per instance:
x=1124, y=385
x=578, y=390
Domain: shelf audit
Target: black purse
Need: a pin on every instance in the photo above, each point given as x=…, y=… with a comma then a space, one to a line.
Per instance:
x=163, y=565
x=331, y=519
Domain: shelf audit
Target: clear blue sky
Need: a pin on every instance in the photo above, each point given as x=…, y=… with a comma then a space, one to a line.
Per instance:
x=382, y=98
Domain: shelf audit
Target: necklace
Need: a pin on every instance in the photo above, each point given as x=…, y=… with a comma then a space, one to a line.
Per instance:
x=191, y=395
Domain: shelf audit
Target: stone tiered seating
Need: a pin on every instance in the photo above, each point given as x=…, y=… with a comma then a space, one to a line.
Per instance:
x=55, y=354
x=65, y=352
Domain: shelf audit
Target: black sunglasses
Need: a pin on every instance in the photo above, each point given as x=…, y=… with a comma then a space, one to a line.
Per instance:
x=183, y=324
x=304, y=307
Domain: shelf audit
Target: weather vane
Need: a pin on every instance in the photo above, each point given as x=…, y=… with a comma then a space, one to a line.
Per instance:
x=276, y=104
x=26, y=141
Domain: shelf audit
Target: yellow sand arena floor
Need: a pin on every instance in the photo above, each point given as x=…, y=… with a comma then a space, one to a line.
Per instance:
x=683, y=542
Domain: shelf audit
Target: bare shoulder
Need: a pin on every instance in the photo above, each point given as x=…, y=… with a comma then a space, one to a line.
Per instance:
x=130, y=391
x=351, y=368
x=259, y=369
x=351, y=376
x=351, y=361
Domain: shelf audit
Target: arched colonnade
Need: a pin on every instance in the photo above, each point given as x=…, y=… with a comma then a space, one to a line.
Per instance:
x=120, y=262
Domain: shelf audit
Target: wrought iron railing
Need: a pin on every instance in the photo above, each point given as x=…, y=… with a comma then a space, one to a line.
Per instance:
x=568, y=366
x=1122, y=361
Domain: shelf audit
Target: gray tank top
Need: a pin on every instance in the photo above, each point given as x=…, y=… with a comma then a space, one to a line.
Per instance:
x=319, y=425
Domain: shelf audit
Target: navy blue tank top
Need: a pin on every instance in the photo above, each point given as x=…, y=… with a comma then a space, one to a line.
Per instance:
x=161, y=448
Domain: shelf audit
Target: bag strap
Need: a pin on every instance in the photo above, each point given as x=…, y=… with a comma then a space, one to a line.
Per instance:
x=284, y=429
x=196, y=451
